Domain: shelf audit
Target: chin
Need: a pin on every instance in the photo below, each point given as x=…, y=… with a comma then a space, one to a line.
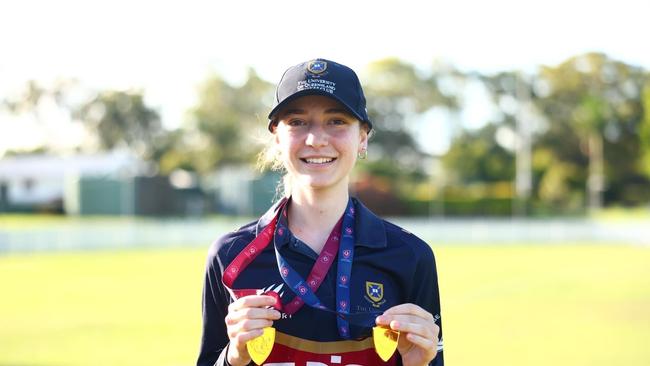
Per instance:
x=317, y=184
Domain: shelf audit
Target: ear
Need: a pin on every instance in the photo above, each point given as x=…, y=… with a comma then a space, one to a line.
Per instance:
x=274, y=131
x=363, y=138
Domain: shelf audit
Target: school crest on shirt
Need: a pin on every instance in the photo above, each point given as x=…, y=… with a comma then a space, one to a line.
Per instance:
x=375, y=293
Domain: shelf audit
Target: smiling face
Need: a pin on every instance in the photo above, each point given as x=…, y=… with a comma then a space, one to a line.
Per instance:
x=319, y=142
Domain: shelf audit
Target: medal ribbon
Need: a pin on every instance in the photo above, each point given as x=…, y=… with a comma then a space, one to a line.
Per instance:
x=250, y=252
x=319, y=270
x=305, y=290
x=254, y=248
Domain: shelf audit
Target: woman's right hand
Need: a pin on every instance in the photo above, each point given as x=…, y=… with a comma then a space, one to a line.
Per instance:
x=246, y=319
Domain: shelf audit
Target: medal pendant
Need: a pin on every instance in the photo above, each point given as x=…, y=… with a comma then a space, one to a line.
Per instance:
x=260, y=348
x=385, y=340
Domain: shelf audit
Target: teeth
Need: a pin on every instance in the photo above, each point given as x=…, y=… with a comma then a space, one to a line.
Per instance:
x=318, y=160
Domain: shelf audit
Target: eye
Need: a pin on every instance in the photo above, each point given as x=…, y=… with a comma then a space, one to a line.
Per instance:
x=338, y=122
x=296, y=122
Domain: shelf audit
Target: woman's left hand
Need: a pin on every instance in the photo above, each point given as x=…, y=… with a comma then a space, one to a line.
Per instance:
x=418, y=340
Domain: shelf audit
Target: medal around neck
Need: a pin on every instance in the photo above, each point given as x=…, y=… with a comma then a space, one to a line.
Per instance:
x=385, y=340
x=260, y=348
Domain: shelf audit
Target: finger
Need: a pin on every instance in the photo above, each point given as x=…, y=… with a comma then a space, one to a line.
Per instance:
x=411, y=309
x=386, y=320
x=424, y=343
x=251, y=301
x=422, y=330
x=383, y=320
x=240, y=339
x=248, y=325
x=251, y=313
x=409, y=324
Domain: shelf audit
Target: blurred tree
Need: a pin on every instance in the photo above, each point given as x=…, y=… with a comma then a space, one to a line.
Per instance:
x=477, y=157
x=38, y=102
x=227, y=126
x=115, y=118
x=171, y=152
x=29, y=101
x=482, y=163
x=122, y=119
x=35, y=151
x=594, y=112
x=644, y=131
x=397, y=95
x=61, y=92
x=511, y=93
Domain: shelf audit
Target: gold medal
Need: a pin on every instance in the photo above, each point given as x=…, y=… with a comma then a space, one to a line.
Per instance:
x=260, y=348
x=385, y=340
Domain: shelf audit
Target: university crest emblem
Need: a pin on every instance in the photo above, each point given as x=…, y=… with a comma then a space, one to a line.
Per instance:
x=317, y=67
x=375, y=292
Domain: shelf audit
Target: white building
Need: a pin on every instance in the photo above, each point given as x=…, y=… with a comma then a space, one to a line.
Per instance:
x=39, y=180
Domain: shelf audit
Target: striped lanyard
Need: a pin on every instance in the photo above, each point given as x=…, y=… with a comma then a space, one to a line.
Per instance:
x=340, y=240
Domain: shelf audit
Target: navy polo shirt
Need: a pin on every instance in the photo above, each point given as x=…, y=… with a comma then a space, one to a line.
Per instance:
x=391, y=266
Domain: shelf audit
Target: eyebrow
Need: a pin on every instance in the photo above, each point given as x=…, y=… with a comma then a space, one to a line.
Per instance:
x=302, y=111
x=337, y=110
x=293, y=111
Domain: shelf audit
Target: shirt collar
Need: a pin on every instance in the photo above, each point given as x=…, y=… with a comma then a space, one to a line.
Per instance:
x=370, y=231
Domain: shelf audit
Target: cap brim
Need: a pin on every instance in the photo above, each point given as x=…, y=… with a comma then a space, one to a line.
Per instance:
x=305, y=92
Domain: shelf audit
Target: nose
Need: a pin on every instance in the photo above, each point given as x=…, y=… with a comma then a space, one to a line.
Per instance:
x=316, y=137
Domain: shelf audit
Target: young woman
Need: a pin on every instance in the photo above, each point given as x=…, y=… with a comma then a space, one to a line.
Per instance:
x=320, y=268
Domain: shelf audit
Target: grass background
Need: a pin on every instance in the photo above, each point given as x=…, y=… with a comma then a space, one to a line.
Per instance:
x=502, y=305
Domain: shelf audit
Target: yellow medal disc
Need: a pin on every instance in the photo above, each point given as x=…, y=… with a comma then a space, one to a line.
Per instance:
x=260, y=348
x=385, y=340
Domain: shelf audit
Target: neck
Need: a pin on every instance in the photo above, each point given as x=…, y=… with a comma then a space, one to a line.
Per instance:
x=313, y=214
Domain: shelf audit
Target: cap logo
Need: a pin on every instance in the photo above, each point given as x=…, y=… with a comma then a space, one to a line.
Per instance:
x=317, y=67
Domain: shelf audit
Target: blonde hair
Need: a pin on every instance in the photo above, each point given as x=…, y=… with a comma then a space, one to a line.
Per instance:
x=270, y=159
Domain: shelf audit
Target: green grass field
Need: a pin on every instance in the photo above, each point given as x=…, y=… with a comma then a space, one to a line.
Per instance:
x=502, y=305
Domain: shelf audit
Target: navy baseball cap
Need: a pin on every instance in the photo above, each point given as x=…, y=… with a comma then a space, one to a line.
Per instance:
x=321, y=77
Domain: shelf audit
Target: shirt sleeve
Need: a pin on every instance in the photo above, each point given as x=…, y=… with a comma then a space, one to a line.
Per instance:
x=427, y=295
x=214, y=339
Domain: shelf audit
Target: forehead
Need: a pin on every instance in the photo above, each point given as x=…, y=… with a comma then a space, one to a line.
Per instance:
x=318, y=103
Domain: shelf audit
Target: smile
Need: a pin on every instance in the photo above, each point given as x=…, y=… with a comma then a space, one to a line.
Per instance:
x=318, y=160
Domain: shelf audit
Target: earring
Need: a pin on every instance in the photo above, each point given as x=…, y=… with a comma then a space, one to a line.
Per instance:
x=362, y=154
